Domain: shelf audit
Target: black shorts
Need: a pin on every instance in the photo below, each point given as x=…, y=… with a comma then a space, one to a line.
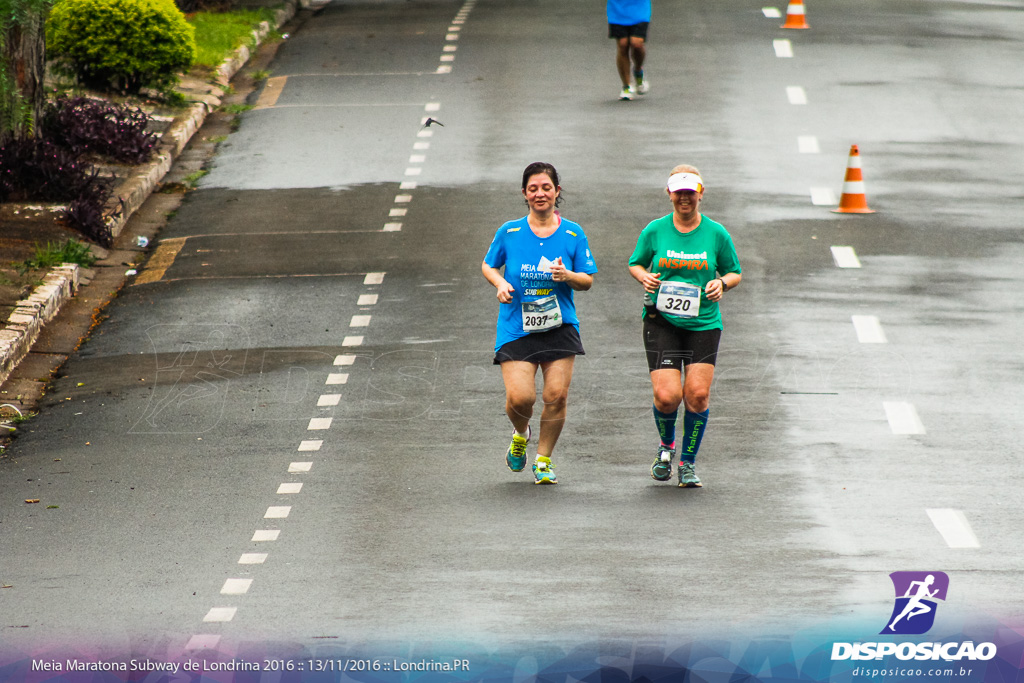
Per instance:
x=621, y=31
x=671, y=348
x=542, y=347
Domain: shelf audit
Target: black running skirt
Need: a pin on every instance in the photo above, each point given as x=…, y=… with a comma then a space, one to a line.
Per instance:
x=542, y=347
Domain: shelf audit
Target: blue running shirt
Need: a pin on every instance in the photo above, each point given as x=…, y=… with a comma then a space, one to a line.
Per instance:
x=526, y=257
x=629, y=12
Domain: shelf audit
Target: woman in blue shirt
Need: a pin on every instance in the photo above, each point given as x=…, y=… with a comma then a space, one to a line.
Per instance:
x=536, y=263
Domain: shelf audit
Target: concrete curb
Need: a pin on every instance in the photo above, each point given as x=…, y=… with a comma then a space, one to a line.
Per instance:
x=22, y=328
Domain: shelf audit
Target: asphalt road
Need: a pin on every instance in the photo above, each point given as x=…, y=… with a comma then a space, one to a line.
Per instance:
x=314, y=342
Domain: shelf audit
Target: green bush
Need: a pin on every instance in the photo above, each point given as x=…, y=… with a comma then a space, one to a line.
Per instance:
x=121, y=44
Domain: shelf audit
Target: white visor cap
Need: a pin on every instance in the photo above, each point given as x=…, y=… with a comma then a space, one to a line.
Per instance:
x=678, y=182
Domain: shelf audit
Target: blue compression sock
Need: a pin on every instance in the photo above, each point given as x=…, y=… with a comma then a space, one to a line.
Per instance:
x=693, y=424
x=666, y=423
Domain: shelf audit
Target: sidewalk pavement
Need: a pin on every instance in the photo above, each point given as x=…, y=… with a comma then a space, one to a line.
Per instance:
x=28, y=357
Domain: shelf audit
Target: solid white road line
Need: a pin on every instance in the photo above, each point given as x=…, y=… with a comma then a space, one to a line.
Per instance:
x=954, y=527
x=902, y=417
x=869, y=329
x=845, y=257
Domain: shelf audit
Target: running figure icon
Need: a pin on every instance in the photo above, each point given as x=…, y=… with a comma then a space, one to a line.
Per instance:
x=917, y=595
x=914, y=606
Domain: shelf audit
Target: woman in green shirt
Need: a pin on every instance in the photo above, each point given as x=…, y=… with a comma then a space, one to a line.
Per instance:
x=685, y=262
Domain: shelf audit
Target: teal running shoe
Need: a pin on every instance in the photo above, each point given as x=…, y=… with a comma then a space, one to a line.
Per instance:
x=661, y=470
x=688, y=479
x=515, y=458
x=543, y=470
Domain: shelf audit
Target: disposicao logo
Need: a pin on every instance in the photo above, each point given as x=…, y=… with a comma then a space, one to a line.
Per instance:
x=917, y=598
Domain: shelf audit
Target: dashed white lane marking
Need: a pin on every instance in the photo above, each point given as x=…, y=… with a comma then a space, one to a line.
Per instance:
x=392, y=227
x=417, y=158
x=869, y=329
x=425, y=133
x=220, y=614
x=354, y=340
x=403, y=198
x=454, y=29
x=298, y=467
x=902, y=417
x=443, y=69
x=373, y=279
x=771, y=12
x=236, y=587
x=397, y=213
x=345, y=359
x=337, y=378
x=408, y=184
x=783, y=48
x=319, y=423
x=203, y=641
x=414, y=170
x=450, y=48
x=432, y=106
x=359, y=321
x=845, y=257
x=808, y=144
x=452, y=36
x=265, y=535
x=823, y=196
x=252, y=558
x=326, y=400
x=367, y=300
x=954, y=527
x=447, y=58
x=290, y=487
x=421, y=145
x=796, y=94
x=277, y=511
x=311, y=445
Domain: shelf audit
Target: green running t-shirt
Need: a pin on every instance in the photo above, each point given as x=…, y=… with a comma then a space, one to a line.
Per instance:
x=694, y=257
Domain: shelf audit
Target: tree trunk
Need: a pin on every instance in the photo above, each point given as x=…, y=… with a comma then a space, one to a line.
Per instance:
x=24, y=53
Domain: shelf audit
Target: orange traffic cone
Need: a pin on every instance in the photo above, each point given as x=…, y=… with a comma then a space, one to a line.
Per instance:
x=853, y=200
x=795, y=17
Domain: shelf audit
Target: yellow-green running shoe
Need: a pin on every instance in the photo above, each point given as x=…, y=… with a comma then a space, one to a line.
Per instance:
x=515, y=458
x=543, y=470
x=688, y=479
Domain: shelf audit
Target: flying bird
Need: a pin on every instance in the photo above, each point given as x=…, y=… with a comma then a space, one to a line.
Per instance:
x=429, y=121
